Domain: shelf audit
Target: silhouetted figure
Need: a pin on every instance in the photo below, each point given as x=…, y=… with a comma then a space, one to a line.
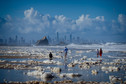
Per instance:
x=50, y=56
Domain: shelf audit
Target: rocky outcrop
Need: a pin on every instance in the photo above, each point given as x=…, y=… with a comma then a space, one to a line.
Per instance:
x=43, y=41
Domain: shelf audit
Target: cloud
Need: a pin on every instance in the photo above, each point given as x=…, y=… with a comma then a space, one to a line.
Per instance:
x=122, y=21
x=84, y=21
x=100, y=18
x=35, y=23
x=38, y=23
x=120, y=25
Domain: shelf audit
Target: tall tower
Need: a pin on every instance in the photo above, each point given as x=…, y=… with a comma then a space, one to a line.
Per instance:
x=70, y=37
x=10, y=40
x=57, y=37
x=16, y=39
x=78, y=39
x=65, y=37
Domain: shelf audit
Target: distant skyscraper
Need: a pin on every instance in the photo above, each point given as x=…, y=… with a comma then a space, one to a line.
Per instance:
x=5, y=41
x=65, y=37
x=16, y=39
x=57, y=37
x=1, y=41
x=78, y=39
x=22, y=40
x=70, y=37
x=10, y=40
x=49, y=38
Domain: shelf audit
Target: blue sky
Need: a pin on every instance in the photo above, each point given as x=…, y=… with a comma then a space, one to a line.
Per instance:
x=89, y=19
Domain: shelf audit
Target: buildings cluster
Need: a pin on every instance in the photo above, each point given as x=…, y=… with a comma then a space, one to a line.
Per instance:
x=71, y=38
x=58, y=39
x=15, y=41
x=63, y=39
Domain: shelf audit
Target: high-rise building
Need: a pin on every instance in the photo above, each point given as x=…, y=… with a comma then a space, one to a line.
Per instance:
x=49, y=38
x=1, y=41
x=70, y=37
x=78, y=40
x=5, y=41
x=65, y=37
x=22, y=40
x=16, y=39
x=57, y=37
x=10, y=40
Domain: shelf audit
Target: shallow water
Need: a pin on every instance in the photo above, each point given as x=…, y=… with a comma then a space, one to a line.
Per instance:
x=75, y=53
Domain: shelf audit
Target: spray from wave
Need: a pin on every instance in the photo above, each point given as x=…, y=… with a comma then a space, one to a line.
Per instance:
x=110, y=46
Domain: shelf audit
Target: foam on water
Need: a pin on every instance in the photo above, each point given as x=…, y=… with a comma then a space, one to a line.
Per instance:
x=77, y=54
x=107, y=46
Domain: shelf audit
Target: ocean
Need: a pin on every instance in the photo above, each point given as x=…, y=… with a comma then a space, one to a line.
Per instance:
x=112, y=62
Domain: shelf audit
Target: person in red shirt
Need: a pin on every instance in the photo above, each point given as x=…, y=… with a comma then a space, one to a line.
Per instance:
x=100, y=52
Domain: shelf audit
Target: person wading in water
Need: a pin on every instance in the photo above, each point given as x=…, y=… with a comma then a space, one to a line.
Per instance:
x=50, y=56
x=66, y=50
x=100, y=52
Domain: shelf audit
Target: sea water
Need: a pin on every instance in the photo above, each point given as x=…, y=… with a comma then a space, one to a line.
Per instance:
x=111, y=52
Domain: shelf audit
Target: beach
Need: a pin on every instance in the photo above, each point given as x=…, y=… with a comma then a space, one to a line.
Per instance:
x=31, y=64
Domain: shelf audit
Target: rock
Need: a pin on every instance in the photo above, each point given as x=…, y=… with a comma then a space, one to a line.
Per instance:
x=85, y=66
x=62, y=75
x=110, y=68
x=94, y=72
x=79, y=51
x=43, y=41
x=2, y=60
x=71, y=65
x=59, y=63
x=84, y=58
x=48, y=61
x=47, y=75
x=90, y=59
x=35, y=73
x=76, y=62
x=114, y=79
x=38, y=68
x=68, y=81
x=119, y=60
x=56, y=70
x=71, y=75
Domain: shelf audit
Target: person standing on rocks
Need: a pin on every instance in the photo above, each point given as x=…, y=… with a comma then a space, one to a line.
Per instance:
x=50, y=56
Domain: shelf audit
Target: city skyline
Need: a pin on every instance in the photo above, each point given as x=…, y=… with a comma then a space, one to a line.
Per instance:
x=86, y=19
x=57, y=40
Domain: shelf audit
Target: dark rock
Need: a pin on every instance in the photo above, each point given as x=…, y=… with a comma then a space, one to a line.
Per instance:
x=43, y=41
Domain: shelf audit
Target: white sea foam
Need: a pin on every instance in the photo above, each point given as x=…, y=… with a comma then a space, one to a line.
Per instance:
x=106, y=47
x=109, y=46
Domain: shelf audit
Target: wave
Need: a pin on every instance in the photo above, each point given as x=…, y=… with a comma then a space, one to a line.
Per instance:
x=110, y=43
x=109, y=46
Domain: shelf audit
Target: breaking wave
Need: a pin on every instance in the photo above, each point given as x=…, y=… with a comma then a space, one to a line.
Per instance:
x=110, y=46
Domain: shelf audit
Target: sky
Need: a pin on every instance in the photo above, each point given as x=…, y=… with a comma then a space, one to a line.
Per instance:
x=87, y=19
